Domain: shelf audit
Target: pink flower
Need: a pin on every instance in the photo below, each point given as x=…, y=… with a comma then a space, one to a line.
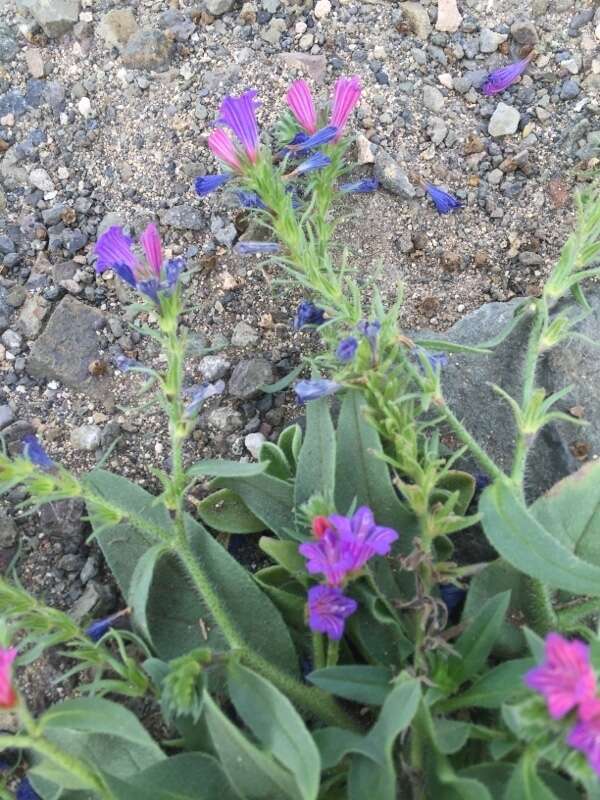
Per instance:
x=299, y=99
x=566, y=678
x=239, y=115
x=346, y=94
x=150, y=241
x=8, y=697
x=585, y=736
x=223, y=148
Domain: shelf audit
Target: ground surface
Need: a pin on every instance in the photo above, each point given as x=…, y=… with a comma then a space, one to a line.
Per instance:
x=120, y=143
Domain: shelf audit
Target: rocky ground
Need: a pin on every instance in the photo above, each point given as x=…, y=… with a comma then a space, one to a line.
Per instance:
x=104, y=108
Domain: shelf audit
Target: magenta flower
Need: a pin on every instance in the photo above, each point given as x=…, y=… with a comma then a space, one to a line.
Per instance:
x=361, y=538
x=585, y=736
x=8, y=697
x=300, y=101
x=224, y=149
x=328, y=610
x=329, y=557
x=566, y=678
x=346, y=94
x=150, y=241
x=239, y=115
x=500, y=79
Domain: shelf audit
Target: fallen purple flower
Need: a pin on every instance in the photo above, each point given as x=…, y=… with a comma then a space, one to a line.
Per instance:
x=33, y=450
x=500, y=79
x=314, y=389
x=209, y=183
x=444, y=202
x=308, y=314
x=201, y=394
x=124, y=364
x=248, y=248
x=328, y=610
x=360, y=187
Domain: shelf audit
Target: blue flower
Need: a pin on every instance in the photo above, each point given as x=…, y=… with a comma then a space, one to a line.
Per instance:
x=312, y=390
x=249, y=199
x=316, y=161
x=173, y=269
x=346, y=349
x=124, y=364
x=452, y=596
x=370, y=330
x=437, y=360
x=200, y=394
x=444, y=202
x=481, y=481
x=206, y=184
x=367, y=185
x=97, y=629
x=248, y=248
x=33, y=450
x=308, y=314
x=319, y=138
x=25, y=791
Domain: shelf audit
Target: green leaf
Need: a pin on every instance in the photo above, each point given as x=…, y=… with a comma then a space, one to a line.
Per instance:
x=141, y=582
x=502, y=683
x=526, y=784
x=443, y=782
x=496, y=776
x=290, y=442
x=376, y=633
x=287, y=595
x=524, y=543
x=362, y=684
x=254, y=774
x=226, y=512
x=450, y=735
x=286, y=554
x=536, y=644
x=269, y=499
x=277, y=725
x=475, y=644
x=461, y=482
x=315, y=473
x=220, y=468
x=283, y=383
x=277, y=463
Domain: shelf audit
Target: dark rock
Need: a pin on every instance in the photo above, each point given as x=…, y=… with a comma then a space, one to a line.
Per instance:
x=147, y=49
x=569, y=90
x=579, y=20
x=63, y=519
x=249, y=376
x=96, y=601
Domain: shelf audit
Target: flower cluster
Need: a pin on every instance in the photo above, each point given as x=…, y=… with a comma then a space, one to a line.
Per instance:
x=568, y=683
x=341, y=548
x=114, y=250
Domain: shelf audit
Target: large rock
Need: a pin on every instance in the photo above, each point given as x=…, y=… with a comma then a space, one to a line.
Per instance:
x=560, y=448
x=183, y=217
x=117, y=27
x=55, y=16
x=417, y=18
x=249, y=376
x=68, y=346
x=147, y=49
x=391, y=175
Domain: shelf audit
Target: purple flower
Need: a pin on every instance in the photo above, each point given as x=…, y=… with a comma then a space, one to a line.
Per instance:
x=361, y=537
x=308, y=314
x=206, y=184
x=249, y=199
x=359, y=187
x=444, y=202
x=124, y=364
x=346, y=95
x=33, y=450
x=328, y=610
x=370, y=330
x=97, y=629
x=346, y=349
x=248, y=248
x=112, y=248
x=316, y=161
x=312, y=390
x=239, y=115
x=585, y=736
x=500, y=79
x=566, y=678
x=481, y=480
x=25, y=791
x=316, y=140
x=173, y=269
x=327, y=556
x=437, y=360
x=300, y=101
x=200, y=395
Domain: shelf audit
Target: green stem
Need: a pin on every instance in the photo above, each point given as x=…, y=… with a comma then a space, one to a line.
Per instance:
x=333, y=653
x=477, y=451
x=318, y=642
x=539, y=612
x=576, y=612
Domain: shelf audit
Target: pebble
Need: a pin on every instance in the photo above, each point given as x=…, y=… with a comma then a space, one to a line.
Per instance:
x=84, y=107
x=569, y=90
x=391, y=176
x=213, y=367
x=6, y=417
x=433, y=99
x=117, y=27
x=253, y=443
x=504, y=121
x=35, y=62
x=225, y=419
x=184, y=217
x=448, y=16
x=8, y=529
x=418, y=19
x=147, y=49
x=244, y=335
x=490, y=41
x=56, y=17
x=12, y=340
x=524, y=33
x=33, y=313
x=217, y=8
x=86, y=437
x=249, y=376
x=41, y=180
x=322, y=8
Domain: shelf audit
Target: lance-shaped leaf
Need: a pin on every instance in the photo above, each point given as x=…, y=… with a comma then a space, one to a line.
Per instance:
x=226, y=512
x=362, y=684
x=315, y=473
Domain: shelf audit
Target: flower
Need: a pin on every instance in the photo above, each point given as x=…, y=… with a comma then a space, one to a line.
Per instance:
x=500, y=79
x=444, y=202
x=321, y=137
x=206, y=184
x=300, y=101
x=249, y=199
x=8, y=697
x=312, y=390
x=346, y=94
x=97, y=629
x=239, y=115
x=316, y=161
x=370, y=330
x=346, y=349
x=308, y=314
x=25, y=791
x=248, y=248
x=224, y=149
x=566, y=678
x=327, y=556
x=361, y=537
x=201, y=394
x=124, y=364
x=33, y=450
x=360, y=187
x=319, y=526
x=114, y=250
x=585, y=735
x=328, y=610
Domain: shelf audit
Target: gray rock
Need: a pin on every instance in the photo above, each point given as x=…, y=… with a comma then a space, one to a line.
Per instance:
x=417, y=18
x=117, y=27
x=539, y=7
x=96, y=601
x=12, y=340
x=570, y=89
x=147, y=49
x=86, y=437
x=504, y=121
x=433, y=99
x=253, y=443
x=41, y=180
x=524, y=33
x=183, y=217
x=214, y=367
x=8, y=531
x=244, y=335
x=272, y=34
x=490, y=41
x=6, y=415
x=219, y=7
x=249, y=376
x=391, y=175
x=224, y=231
x=32, y=315
x=110, y=220
x=68, y=345
x=63, y=519
x=55, y=16
x=225, y=419
x=579, y=20
x=8, y=44
x=177, y=24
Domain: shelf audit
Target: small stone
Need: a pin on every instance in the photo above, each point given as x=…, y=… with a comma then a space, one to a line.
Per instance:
x=449, y=17
x=504, y=121
x=244, y=335
x=306, y=41
x=579, y=20
x=117, y=27
x=365, y=151
x=8, y=530
x=249, y=376
x=32, y=316
x=253, y=443
x=35, y=62
x=524, y=33
x=391, y=176
x=225, y=419
x=248, y=14
x=217, y=8
x=433, y=99
x=84, y=107
x=539, y=7
x=12, y=341
x=322, y=9
x=417, y=18
x=41, y=180
x=272, y=34
x=569, y=90
x=86, y=437
x=183, y=217
x=213, y=367
x=147, y=49
x=314, y=65
x=8, y=45
x=6, y=417
x=490, y=41
x=56, y=17
x=96, y=601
